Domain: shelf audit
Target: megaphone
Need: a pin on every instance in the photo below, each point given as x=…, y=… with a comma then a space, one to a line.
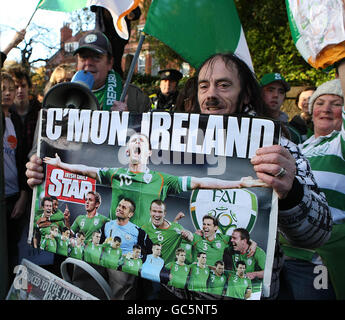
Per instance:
x=76, y=94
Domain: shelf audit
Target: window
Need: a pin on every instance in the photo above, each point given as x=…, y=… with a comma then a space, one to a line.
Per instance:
x=71, y=46
x=185, y=68
x=141, y=64
x=154, y=67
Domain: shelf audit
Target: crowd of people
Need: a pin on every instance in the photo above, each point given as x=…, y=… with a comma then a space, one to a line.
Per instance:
x=306, y=170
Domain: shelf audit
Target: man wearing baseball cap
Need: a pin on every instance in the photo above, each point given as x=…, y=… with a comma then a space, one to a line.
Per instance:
x=95, y=54
x=273, y=90
x=166, y=97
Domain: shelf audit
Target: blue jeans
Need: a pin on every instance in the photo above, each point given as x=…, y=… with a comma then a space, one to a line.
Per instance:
x=297, y=282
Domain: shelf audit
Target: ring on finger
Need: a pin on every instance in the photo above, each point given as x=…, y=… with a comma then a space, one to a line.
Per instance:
x=281, y=173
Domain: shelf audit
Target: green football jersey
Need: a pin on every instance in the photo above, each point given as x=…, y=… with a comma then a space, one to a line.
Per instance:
x=49, y=244
x=46, y=231
x=214, y=249
x=178, y=274
x=237, y=287
x=92, y=253
x=169, y=238
x=187, y=246
x=88, y=225
x=57, y=216
x=62, y=246
x=140, y=187
x=111, y=257
x=77, y=252
x=132, y=266
x=216, y=283
x=198, y=278
x=254, y=263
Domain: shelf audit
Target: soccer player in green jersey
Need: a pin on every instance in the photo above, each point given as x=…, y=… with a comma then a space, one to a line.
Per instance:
x=93, y=250
x=77, y=246
x=92, y=221
x=199, y=273
x=166, y=233
x=43, y=222
x=239, y=286
x=132, y=262
x=255, y=265
x=217, y=279
x=142, y=185
x=212, y=242
x=57, y=215
x=179, y=270
x=63, y=242
x=111, y=253
x=49, y=243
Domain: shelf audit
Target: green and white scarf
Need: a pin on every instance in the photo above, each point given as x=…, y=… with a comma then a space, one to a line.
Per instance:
x=110, y=92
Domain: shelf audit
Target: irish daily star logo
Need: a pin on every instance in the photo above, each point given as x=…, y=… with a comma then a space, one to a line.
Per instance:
x=234, y=208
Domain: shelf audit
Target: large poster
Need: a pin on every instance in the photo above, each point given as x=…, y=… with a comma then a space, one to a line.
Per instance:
x=170, y=197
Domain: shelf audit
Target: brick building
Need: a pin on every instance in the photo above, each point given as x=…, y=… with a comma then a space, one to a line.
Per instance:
x=145, y=65
x=68, y=43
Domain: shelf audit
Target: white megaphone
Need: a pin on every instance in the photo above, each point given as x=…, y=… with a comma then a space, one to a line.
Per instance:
x=76, y=94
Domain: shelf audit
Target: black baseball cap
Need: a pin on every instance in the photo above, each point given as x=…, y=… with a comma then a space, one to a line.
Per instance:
x=96, y=41
x=170, y=74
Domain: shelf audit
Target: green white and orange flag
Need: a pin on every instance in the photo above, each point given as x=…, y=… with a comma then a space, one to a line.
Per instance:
x=196, y=29
x=118, y=9
x=317, y=29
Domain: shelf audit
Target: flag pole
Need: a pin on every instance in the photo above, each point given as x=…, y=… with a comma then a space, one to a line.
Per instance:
x=131, y=68
x=32, y=15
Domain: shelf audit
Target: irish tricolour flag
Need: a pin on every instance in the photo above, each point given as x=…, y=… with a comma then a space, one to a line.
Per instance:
x=118, y=9
x=196, y=29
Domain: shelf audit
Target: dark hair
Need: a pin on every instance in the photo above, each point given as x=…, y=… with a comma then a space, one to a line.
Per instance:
x=80, y=233
x=305, y=89
x=214, y=219
x=249, y=85
x=64, y=229
x=219, y=262
x=187, y=99
x=19, y=73
x=117, y=238
x=244, y=234
x=179, y=250
x=240, y=262
x=200, y=253
x=46, y=199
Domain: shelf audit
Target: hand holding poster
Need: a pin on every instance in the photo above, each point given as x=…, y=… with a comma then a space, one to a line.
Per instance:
x=171, y=198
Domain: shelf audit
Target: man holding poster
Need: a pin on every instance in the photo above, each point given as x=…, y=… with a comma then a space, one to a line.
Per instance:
x=226, y=86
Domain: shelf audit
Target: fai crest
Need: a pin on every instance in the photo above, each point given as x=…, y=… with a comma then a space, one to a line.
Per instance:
x=234, y=208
